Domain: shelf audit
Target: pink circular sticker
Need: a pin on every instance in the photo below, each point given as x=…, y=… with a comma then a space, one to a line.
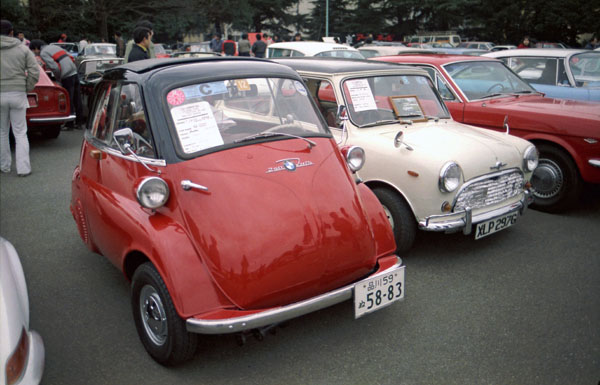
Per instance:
x=175, y=97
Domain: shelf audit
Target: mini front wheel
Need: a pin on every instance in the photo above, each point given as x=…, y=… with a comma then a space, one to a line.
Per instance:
x=162, y=332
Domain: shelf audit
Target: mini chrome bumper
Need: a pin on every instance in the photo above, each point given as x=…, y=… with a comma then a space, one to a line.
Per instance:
x=60, y=119
x=466, y=219
x=276, y=315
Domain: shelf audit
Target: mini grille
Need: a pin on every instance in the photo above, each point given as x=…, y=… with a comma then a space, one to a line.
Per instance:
x=488, y=191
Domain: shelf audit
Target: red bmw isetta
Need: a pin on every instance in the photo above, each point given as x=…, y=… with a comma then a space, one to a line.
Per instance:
x=218, y=190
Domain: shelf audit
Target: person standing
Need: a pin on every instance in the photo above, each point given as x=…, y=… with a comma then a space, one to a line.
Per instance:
x=82, y=43
x=131, y=43
x=259, y=47
x=229, y=47
x=592, y=44
x=63, y=38
x=525, y=43
x=297, y=37
x=65, y=71
x=120, y=44
x=244, y=45
x=21, y=36
x=142, y=37
x=19, y=74
x=267, y=39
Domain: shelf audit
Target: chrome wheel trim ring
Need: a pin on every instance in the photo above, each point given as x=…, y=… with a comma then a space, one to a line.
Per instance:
x=154, y=316
x=547, y=179
x=389, y=216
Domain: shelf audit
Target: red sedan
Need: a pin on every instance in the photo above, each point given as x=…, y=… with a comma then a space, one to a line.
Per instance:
x=49, y=107
x=484, y=92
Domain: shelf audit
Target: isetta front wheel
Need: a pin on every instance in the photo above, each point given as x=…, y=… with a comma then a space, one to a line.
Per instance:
x=161, y=330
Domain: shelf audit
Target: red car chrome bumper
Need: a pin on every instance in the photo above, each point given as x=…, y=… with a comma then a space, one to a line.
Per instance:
x=233, y=321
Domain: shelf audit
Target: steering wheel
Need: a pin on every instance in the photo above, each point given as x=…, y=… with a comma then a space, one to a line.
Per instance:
x=493, y=86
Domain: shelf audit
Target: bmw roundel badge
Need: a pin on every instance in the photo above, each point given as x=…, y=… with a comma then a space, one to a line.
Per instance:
x=289, y=165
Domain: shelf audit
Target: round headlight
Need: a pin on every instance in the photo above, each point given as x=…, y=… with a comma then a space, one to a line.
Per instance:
x=153, y=193
x=355, y=157
x=530, y=158
x=450, y=176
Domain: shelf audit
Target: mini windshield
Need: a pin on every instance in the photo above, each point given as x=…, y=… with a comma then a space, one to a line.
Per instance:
x=585, y=68
x=385, y=99
x=482, y=79
x=224, y=112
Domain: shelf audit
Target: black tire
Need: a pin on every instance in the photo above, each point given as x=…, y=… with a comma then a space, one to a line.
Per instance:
x=163, y=332
x=51, y=132
x=401, y=218
x=556, y=182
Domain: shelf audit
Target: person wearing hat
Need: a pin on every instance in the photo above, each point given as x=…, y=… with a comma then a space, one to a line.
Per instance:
x=19, y=74
x=63, y=38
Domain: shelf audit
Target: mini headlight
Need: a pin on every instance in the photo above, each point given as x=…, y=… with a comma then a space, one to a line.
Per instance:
x=530, y=158
x=450, y=176
x=355, y=157
x=153, y=193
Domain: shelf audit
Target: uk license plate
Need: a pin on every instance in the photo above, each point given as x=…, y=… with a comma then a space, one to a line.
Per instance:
x=377, y=292
x=486, y=228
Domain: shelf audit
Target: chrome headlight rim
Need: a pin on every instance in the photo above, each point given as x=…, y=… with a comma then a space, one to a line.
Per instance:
x=152, y=192
x=355, y=158
x=445, y=185
x=531, y=158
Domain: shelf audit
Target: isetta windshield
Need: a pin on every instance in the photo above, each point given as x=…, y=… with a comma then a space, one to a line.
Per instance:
x=225, y=112
x=379, y=99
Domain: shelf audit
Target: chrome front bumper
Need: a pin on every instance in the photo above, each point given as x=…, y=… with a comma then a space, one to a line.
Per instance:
x=60, y=119
x=276, y=315
x=466, y=219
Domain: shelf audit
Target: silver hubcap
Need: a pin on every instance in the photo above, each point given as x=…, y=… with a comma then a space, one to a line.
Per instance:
x=389, y=216
x=547, y=179
x=153, y=315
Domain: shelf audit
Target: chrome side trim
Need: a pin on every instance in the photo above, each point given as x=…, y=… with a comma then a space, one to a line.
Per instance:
x=467, y=219
x=60, y=119
x=280, y=314
x=594, y=162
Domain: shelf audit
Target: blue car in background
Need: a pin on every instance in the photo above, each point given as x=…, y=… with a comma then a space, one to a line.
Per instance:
x=558, y=73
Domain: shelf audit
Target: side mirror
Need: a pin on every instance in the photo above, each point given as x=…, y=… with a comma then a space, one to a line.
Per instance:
x=124, y=140
x=342, y=112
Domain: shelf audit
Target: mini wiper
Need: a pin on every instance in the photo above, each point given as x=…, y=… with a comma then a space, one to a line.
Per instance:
x=492, y=95
x=311, y=144
x=378, y=122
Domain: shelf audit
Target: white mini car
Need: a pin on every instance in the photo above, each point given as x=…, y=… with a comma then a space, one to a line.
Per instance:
x=312, y=48
x=21, y=350
x=429, y=171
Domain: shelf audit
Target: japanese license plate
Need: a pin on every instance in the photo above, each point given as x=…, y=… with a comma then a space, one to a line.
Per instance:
x=486, y=228
x=377, y=292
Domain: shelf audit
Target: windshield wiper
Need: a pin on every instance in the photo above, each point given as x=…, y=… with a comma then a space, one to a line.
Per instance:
x=311, y=144
x=492, y=95
x=378, y=122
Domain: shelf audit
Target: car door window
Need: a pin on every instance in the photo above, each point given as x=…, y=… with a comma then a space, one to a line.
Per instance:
x=537, y=70
x=440, y=84
x=101, y=125
x=323, y=94
x=130, y=113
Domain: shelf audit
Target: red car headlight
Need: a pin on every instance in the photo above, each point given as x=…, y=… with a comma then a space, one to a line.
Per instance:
x=17, y=362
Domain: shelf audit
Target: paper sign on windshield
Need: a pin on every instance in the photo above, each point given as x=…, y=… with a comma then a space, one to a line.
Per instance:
x=196, y=127
x=361, y=95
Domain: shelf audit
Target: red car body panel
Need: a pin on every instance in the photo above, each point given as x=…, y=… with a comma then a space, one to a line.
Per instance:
x=52, y=105
x=196, y=239
x=533, y=117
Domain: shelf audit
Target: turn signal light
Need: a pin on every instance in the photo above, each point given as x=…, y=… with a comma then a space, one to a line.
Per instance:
x=62, y=102
x=446, y=207
x=15, y=365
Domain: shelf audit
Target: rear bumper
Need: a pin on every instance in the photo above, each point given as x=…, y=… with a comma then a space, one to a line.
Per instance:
x=259, y=318
x=466, y=219
x=53, y=120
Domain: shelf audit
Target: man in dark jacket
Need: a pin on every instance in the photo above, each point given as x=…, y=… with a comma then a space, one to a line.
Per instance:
x=229, y=46
x=139, y=51
x=259, y=47
x=65, y=71
x=19, y=74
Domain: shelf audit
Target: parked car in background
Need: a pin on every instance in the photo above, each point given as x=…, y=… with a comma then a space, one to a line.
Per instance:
x=370, y=50
x=184, y=54
x=558, y=73
x=484, y=45
x=97, y=50
x=428, y=171
x=435, y=38
x=460, y=51
x=22, y=350
x=503, y=47
x=484, y=92
x=312, y=48
x=203, y=46
x=161, y=51
x=420, y=45
x=546, y=44
x=219, y=191
x=49, y=107
x=71, y=48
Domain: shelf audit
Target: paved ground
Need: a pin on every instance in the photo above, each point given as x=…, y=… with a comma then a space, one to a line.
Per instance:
x=519, y=307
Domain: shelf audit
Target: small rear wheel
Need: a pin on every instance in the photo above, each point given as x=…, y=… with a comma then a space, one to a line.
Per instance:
x=556, y=182
x=162, y=332
x=400, y=216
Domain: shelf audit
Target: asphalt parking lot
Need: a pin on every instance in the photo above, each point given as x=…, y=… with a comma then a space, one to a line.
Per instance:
x=519, y=307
